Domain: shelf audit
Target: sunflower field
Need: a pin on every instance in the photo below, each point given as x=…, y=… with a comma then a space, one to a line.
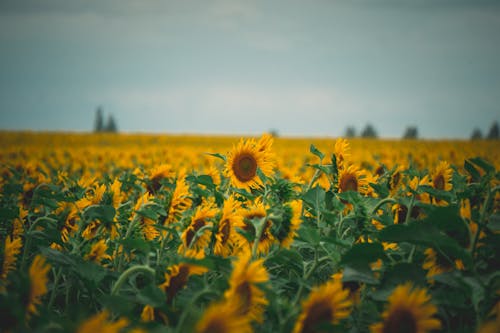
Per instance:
x=165, y=233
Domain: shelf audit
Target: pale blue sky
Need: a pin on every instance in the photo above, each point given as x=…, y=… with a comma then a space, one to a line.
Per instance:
x=244, y=67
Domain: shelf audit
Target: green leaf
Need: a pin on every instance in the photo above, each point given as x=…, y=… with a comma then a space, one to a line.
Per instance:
x=494, y=222
x=139, y=244
x=359, y=273
x=483, y=164
x=222, y=157
x=90, y=271
x=103, y=213
x=309, y=234
x=424, y=233
x=363, y=253
x=315, y=197
x=316, y=152
x=469, y=167
x=151, y=295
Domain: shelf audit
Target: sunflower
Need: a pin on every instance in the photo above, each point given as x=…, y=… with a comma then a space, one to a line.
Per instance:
x=177, y=278
x=409, y=311
x=436, y=263
x=353, y=287
x=342, y=152
x=11, y=250
x=117, y=195
x=290, y=223
x=243, y=161
x=352, y=178
x=98, y=252
x=159, y=173
x=247, y=298
x=100, y=323
x=180, y=200
x=258, y=211
x=192, y=241
x=38, y=282
x=147, y=225
x=222, y=317
x=326, y=304
x=441, y=178
x=227, y=239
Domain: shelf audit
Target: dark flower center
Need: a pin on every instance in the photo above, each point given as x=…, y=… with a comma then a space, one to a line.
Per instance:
x=245, y=167
x=400, y=321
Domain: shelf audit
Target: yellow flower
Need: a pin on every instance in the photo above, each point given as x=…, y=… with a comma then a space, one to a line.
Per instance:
x=100, y=323
x=180, y=200
x=223, y=318
x=38, y=282
x=12, y=249
x=98, y=252
x=436, y=263
x=243, y=161
x=148, y=313
x=409, y=310
x=328, y=303
x=243, y=291
x=258, y=211
x=192, y=242
x=227, y=239
x=157, y=174
x=178, y=276
x=351, y=178
x=441, y=178
x=342, y=152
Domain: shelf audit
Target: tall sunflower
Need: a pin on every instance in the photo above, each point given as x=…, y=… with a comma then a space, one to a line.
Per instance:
x=100, y=323
x=98, y=252
x=227, y=239
x=328, y=303
x=342, y=152
x=177, y=277
x=441, y=177
x=409, y=311
x=247, y=298
x=192, y=242
x=11, y=250
x=38, y=282
x=436, y=263
x=158, y=173
x=180, y=200
x=222, y=317
x=243, y=161
x=258, y=211
x=352, y=178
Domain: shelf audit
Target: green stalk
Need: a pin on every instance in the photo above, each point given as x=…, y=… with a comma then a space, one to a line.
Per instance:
x=383, y=202
x=258, y=234
x=127, y=273
x=56, y=274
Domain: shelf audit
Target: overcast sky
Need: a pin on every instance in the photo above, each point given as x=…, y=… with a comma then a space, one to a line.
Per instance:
x=245, y=67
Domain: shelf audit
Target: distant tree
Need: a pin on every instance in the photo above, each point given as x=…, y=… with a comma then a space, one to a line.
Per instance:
x=350, y=132
x=369, y=132
x=494, y=133
x=274, y=132
x=111, y=125
x=99, y=121
x=476, y=134
x=411, y=132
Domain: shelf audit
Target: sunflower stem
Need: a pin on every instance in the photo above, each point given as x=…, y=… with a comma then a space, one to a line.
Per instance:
x=482, y=218
x=27, y=243
x=127, y=273
x=383, y=202
x=259, y=229
x=57, y=274
x=191, y=304
x=410, y=208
